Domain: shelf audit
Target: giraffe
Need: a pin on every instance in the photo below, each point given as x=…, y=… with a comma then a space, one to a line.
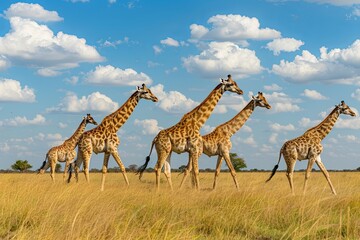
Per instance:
x=103, y=138
x=308, y=146
x=185, y=135
x=66, y=151
x=218, y=143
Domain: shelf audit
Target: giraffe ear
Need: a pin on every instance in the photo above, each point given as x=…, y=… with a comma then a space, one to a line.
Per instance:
x=221, y=80
x=137, y=88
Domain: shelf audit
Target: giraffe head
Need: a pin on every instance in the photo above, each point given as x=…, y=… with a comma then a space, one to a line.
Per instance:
x=345, y=109
x=89, y=119
x=145, y=93
x=261, y=101
x=230, y=85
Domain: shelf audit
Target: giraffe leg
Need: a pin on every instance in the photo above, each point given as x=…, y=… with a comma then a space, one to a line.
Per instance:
x=104, y=169
x=162, y=156
x=77, y=165
x=66, y=168
x=167, y=173
x=195, y=164
x=326, y=174
x=86, y=159
x=187, y=170
x=307, y=173
x=52, y=169
x=290, y=172
x=117, y=158
x=232, y=169
x=217, y=171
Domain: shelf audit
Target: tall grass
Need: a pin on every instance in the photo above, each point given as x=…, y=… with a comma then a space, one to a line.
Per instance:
x=32, y=207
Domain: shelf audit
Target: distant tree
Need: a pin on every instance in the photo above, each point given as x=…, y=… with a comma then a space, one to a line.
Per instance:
x=237, y=161
x=133, y=167
x=358, y=169
x=58, y=167
x=21, y=165
x=182, y=168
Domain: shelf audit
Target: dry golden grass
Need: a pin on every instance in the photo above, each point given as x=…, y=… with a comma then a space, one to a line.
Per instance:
x=31, y=207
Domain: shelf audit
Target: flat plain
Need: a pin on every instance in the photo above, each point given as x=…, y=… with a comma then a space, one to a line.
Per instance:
x=32, y=207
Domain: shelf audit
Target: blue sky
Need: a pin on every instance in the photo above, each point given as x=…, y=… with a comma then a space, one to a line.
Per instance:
x=62, y=59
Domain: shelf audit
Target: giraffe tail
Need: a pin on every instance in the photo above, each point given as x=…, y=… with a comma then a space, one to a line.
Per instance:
x=275, y=168
x=142, y=168
x=43, y=165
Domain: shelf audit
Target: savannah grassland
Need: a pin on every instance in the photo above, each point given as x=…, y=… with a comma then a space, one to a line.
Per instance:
x=31, y=207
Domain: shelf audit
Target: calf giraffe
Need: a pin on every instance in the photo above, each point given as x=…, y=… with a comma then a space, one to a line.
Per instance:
x=103, y=138
x=185, y=135
x=66, y=151
x=308, y=146
x=218, y=143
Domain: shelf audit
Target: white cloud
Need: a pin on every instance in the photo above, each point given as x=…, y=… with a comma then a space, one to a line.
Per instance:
x=23, y=121
x=108, y=43
x=307, y=122
x=273, y=138
x=109, y=75
x=272, y=87
x=149, y=126
x=172, y=101
x=31, y=44
x=356, y=12
x=83, y=1
x=93, y=102
x=279, y=128
x=232, y=28
x=206, y=129
x=249, y=141
x=11, y=90
x=4, y=147
x=32, y=11
x=313, y=94
x=336, y=2
x=280, y=102
x=356, y=94
x=284, y=44
x=157, y=49
x=48, y=72
x=221, y=58
x=112, y=1
x=4, y=63
x=62, y=125
x=336, y=66
x=170, y=42
x=230, y=101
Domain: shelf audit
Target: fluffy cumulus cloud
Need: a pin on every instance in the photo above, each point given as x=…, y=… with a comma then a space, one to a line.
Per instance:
x=170, y=42
x=232, y=28
x=221, y=58
x=22, y=121
x=280, y=102
x=356, y=94
x=272, y=87
x=11, y=90
x=36, y=45
x=32, y=11
x=280, y=128
x=93, y=102
x=149, y=126
x=110, y=75
x=337, y=66
x=284, y=45
x=313, y=94
x=172, y=101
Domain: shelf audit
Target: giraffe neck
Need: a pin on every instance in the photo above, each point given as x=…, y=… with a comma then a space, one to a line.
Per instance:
x=325, y=127
x=202, y=112
x=115, y=120
x=234, y=124
x=73, y=140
